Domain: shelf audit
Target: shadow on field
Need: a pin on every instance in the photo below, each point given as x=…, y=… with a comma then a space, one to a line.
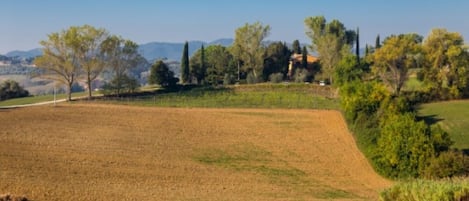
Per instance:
x=430, y=119
x=193, y=89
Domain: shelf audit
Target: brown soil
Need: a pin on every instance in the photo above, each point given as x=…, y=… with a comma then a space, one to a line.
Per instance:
x=108, y=152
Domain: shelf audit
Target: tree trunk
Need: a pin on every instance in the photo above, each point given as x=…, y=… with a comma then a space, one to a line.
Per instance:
x=69, y=91
x=88, y=82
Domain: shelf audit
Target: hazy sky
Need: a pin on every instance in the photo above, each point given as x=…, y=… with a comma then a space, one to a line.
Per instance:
x=26, y=22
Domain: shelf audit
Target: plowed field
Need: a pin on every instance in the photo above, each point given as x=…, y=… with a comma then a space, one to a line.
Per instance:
x=106, y=152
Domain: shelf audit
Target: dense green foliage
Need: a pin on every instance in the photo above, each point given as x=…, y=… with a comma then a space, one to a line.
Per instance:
x=11, y=89
x=394, y=59
x=198, y=67
x=276, y=60
x=446, y=65
x=122, y=84
x=388, y=131
x=249, y=48
x=425, y=190
x=330, y=40
x=161, y=75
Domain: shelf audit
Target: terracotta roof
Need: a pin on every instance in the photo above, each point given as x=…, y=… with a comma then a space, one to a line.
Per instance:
x=299, y=58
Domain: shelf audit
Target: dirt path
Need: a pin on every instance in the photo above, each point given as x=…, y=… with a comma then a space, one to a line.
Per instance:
x=107, y=152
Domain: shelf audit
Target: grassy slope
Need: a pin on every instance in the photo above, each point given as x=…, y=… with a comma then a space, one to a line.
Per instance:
x=245, y=96
x=453, y=116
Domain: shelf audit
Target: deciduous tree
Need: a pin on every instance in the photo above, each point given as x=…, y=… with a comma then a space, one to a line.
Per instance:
x=219, y=63
x=447, y=61
x=60, y=61
x=248, y=46
x=198, y=67
x=394, y=59
x=330, y=40
x=276, y=59
x=89, y=48
x=160, y=74
x=120, y=55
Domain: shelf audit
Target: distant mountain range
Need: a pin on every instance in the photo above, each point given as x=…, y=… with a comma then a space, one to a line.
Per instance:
x=151, y=51
x=173, y=51
x=25, y=54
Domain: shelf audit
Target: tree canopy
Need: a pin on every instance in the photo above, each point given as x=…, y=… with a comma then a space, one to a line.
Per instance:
x=394, y=59
x=248, y=46
x=120, y=56
x=330, y=40
x=60, y=60
x=185, y=70
x=160, y=74
x=447, y=61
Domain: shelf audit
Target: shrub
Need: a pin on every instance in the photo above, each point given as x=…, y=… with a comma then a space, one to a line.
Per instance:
x=404, y=146
x=276, y=77
x=11, y=89
x=447, y=164
x=251, y=78
x=228, y=79
x=124, y=84
x=423, y=190
x=302, y=75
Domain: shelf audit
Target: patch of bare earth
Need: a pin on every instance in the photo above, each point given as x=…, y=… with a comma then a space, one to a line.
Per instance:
x=107, y=152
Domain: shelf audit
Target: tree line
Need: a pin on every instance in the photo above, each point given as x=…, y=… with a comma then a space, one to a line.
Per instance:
x=84, y=53
x=383, y=113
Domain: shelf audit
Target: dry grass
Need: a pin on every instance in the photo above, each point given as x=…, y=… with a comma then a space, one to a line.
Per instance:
x=106, y=152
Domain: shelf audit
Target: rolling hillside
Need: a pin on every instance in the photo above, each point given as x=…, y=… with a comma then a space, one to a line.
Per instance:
x=108, y=152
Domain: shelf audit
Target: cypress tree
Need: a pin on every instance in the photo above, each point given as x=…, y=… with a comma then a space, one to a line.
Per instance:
x=357, y=48
x=367, y=50
x=296, y=47
x=185, y=72
x=304, y=58
x=378, y=42
x=203, y=69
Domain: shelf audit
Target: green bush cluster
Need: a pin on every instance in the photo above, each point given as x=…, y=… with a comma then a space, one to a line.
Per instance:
x=388, y=132
x=276, y=77
x=11, y=89
x=119, y=85
x=424, y=190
